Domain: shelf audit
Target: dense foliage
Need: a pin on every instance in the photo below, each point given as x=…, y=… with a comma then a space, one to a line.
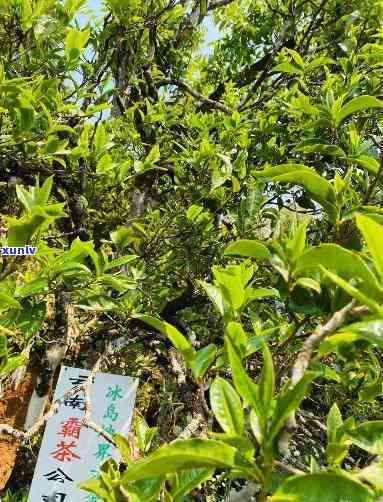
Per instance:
x=219, y=214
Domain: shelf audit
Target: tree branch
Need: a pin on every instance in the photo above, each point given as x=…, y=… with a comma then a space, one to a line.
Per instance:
x=245, y=494
x=189, y=90
x=215, y=4
x=303, y=359
x=192, y=426
x=177, y=366
x=287, y=468
x=320, y=333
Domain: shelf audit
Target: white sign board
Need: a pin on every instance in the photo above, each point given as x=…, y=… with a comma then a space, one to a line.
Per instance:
x=71, y=453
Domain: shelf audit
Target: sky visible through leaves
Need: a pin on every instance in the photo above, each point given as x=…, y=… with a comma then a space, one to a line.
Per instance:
x=212, y=32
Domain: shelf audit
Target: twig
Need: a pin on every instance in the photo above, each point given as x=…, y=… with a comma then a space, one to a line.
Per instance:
x=360, y=311
x=245, y=494
x=312, y=342
x=87, y=420
x=25, y=436
x=192, y=427
x=287, y=468
x=303, y=359
x=176, y=366
x=215, y=4
x=265, y=72
x=204, y=99
x=310, y=30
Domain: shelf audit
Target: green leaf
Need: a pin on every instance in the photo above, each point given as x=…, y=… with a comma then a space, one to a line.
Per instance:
x=195, y=213
x=289, y=402
x=118, y=282
x=30, y=318
x=214, y=294
x=226, y=406
x=242, y=443
x=337, y=445
x=203, y=359
x=27, y=114
x=26, y=15
x=35, y=196
x=369, y=392
x=336, y=453
x=368, y=436
x=98, y=303
x=105, y=165
x=75, y=41
x=244, y=385
x=146, y=490
x=189, y=454
x=259, y=293
x=122, y=237
x=238, y=337
x=254, y=344
x=369, y=330
x=202, y=9
x=334, y=422
x=296, y=57
x=177, y=338
x=334, y=342
x=266, y=384
x=189, y=480
x=42, y=194
x=373, y=474
x=297, y=244
x=249, y=248
x=320, y=61
x=355, y=105
x=326, y=372
x=373, y=234
x=320, y=189
x=27, y=197
x=12, y=363
x=96, y=486
x=60, y=128
x=144, y=434
x=55, y=145
x=24, y=197
x=321, y=487
x=8, y=302
x=153, y=156
x=124, y=448
x=309, y=146
x=117, y=262
x=20, y=231
x=289, y=68
x=3, y=346
x=344, y=262
x=100, y=138
x=367, y=162
x=308, y=283
x=231, y=285
x=354, y=292
x=256, y=428
x=3, y=353
x=221, y=172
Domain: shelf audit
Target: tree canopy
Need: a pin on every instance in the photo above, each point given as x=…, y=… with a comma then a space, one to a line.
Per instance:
x=212, y=221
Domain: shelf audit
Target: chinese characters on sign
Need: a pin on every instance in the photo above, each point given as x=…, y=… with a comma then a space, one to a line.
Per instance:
x=71, y=453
